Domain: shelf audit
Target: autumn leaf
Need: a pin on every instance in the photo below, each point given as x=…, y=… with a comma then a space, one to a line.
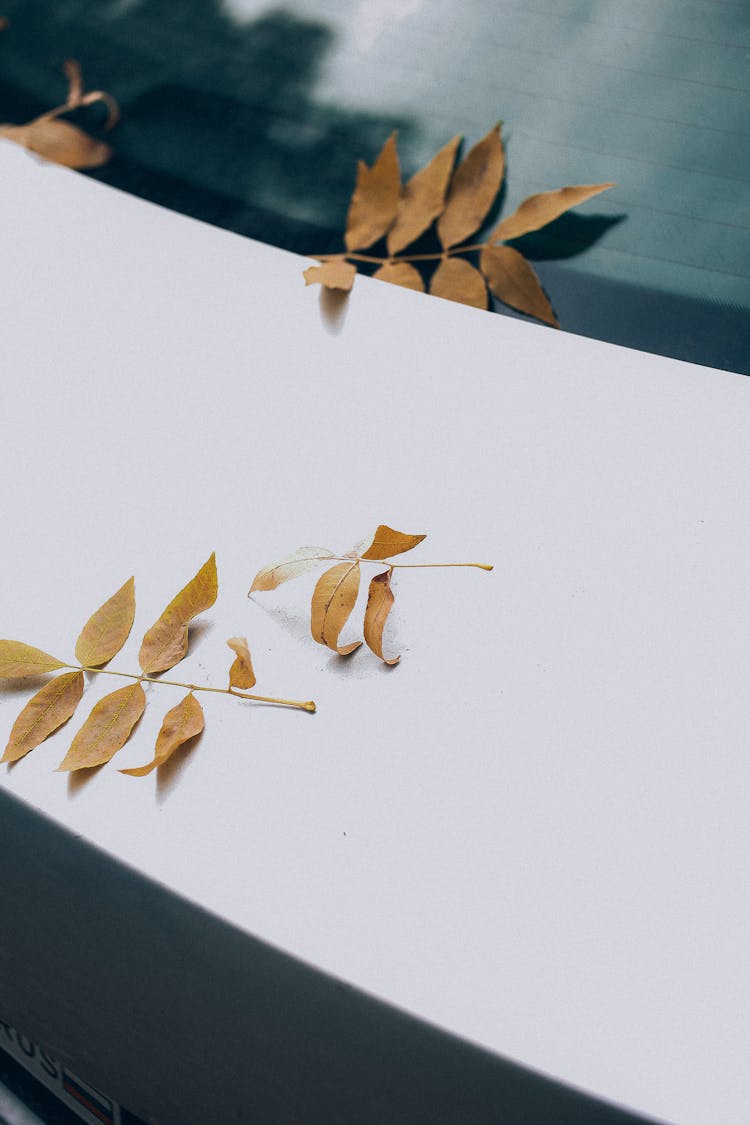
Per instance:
x=422, y=200
x=302, y=560
x=58, y=141
x=475, y=184
x=457, y=280
x=106, y=631
x=335, y=274
x=18, y=659
x=182, y=723
x=52, y=706
x=379, y=604
x=241, y=674
x=538, y=210
x=107, y=728
x=400, y=273
x=374, y=202
x=332, y=602
x=514, y=281
x=385, y=542
x=166, y=642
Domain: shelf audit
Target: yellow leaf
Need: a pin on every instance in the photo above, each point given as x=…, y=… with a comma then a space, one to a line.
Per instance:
x=52, y=706
x=475, y=184
x=400, y=273
x=514, y=281
x=335, y=274
x=303, y=559
x=332, y=601
x=18, y=659
x=166, y=642
x=241, y=674
x=106, y=631
x=457, y=280
x=423, y=199
x=107, y=728
x=379, y=604
x=182, y=723
x=59, y=141
x=385, y=543
x=375, y=200
x=538, y=210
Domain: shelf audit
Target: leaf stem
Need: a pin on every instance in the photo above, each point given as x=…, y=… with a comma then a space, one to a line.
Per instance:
x=401, y=566
x=378, y=261
x=302, y=706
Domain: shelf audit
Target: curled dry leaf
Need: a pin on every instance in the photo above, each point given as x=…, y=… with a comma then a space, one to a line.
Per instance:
x=166, y=642
x=538, y=210
x=422, y=200
x=375, y=200
x=379, y=604
x=457, y=280
x=475, y=184
x=302, y=560
x=52, y=706
x=107, y=728
x=106, y=631
x=335, y=274
x=241, y=674
x=182, y=723
x=515, y=282
x=386, y=542
x=400, y=273
x=18, y=659
x=332, y=602
x=58, y=141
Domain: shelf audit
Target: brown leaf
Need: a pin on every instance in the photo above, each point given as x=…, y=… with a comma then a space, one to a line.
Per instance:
x=106, y=631
x=166, y=642
x=400, y=273
x=58, y=141
x=538, y=210
x=52, y=706
x=241, y=674
x=332, y=601
x=385, y=543
x=513, y=280
x=423, y=199
x=182, y=723
x=457, y=280
x=107, y=728
x=475, y=184
x=335, y=274
x=375, y=200
x=379, y=604
x=302, y=560
x=18, y=659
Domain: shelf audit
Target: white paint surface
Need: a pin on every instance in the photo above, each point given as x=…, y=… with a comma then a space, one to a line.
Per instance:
x=534, y=831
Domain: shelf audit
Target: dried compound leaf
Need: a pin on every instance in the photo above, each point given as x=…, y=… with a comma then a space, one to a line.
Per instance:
x=335, y=274
x=386, y=542
x=400, y=273
x=166, y=642
x=18, y=659
x=303, y=559
x=379, y=604
x=538, y=210
x=514, y=281
x=107, y=728
x=59, y=141
x=332, y=602
x=457, y=280
x=182, y=723
x=475, y=184
x=375, y=200
x=423, y=199
x=241, y=674
x=52, y=706
x=106, y=631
